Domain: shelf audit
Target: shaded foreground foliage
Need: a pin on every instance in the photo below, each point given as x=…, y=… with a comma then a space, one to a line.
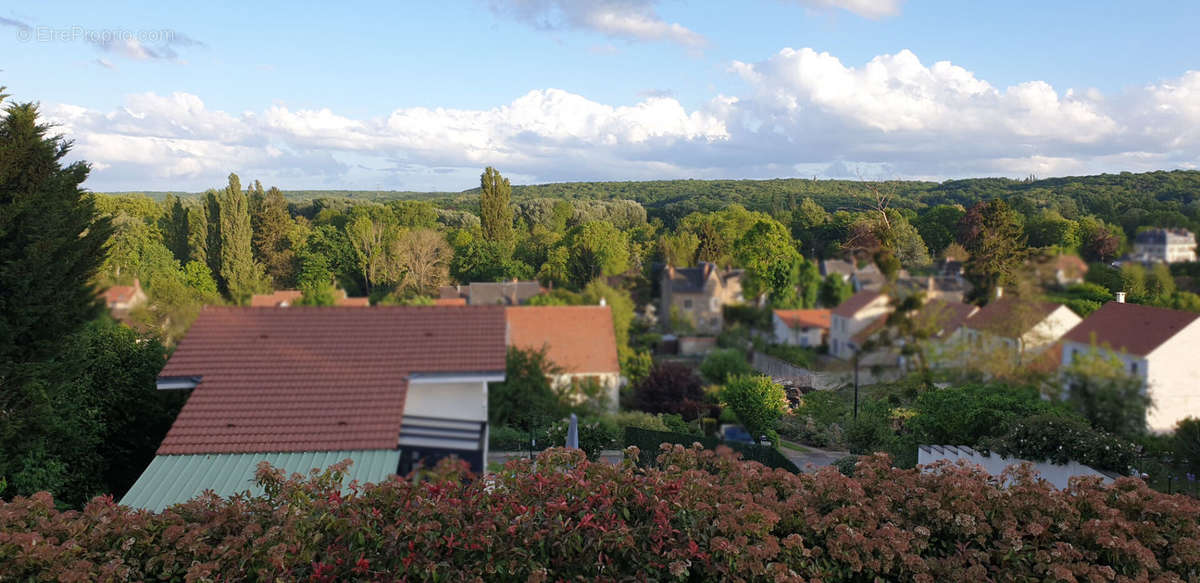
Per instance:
x=703, y=516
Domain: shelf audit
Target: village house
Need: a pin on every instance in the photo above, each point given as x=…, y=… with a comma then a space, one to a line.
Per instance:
x=390, y=388
x=699, y=294
x=290, y=297
x=1157, y=345
x=501, y=293
x=1061, y=270
x=120, y=299
x=1016, y=327
x=801, y=327
x=1164, y=246
x=579, y=340
x=851, y=317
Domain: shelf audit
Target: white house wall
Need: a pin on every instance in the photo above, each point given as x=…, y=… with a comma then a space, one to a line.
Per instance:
x=1173, y=374
x=466, y=401
x=1049, y=330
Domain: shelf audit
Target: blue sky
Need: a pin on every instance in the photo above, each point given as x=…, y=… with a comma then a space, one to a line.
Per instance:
x=423, y=95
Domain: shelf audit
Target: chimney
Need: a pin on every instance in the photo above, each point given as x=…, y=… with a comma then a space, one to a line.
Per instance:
x=999, y=292
x=1120, y=297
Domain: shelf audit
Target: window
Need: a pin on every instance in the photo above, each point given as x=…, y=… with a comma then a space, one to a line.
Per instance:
x=687, y=304
x=1133, y=367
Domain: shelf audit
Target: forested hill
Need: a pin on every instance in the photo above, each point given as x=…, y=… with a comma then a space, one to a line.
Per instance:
x=1152, y=198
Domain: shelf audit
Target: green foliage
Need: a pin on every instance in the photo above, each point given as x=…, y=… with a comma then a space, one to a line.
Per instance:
x=991, y=233
x=651, y=441
x=1101, y=390
x=271, y=225
x=938, y=226
x=969, y=414
x=1058, y=439
x=1186, y=443
x=635, y=364
x=771, y=261
x=720, y=365
x=596, y=249
x=505, y=438
x=758, y=403
x=596, y=433
x=618, y=302
x=834, y=290
x=526, y=398
x=51, y=246
x=800, y=356
x=238, y=272
x=495, y=209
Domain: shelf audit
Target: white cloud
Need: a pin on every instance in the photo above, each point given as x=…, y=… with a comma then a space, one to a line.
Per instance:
x=803, y=113
x=866, y=8
x=625, y=19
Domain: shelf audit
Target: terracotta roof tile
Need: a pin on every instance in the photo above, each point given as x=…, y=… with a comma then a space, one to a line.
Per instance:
x=854, y=303
x=289, y=297
x=1132, y=328
x=805, y=318
x=579, y=339
x=1009, y=317
x=450, y=301
x=318, y=379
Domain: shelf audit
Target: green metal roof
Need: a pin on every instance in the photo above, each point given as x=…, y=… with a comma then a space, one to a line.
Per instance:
x=171, y=479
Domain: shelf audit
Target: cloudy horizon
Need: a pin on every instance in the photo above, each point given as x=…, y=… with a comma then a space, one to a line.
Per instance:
x=834, y=109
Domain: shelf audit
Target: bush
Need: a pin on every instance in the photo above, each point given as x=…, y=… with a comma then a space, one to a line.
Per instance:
x=1058, y=439
x=595, y=434
x=504, y=438
x=967, y=415
x=758, y=403
x=646, y=440
x=671, y=387
x=846, y=464
x=702, y=516
x=720, y=365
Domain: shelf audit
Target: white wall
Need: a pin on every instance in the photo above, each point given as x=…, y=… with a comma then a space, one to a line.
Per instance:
x=802, y=336
x=1049, y=330
x=842, y=329
x=447, y=400
x=1173, y=374
x=1058, y=475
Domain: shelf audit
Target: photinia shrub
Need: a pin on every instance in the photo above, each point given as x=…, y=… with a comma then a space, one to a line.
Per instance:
x=699, y=515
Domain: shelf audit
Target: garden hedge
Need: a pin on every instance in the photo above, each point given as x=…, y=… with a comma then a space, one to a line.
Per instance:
x=650, y=440
x=703, y=516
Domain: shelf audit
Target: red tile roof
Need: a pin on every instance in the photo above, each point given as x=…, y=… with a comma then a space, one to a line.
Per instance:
x=944, y=317
x=1132, y=328
x=579, y=339
x=1010, y=317
x=121, y=294
x=289, y=297
x=450, y=301
x=805, y=318
x=318, y=379
x=854, y=303
x=274, y=300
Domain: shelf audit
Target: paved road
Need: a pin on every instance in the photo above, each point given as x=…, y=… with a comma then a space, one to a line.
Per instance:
x=814, y=458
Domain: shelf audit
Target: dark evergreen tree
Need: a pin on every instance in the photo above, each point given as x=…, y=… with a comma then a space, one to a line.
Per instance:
x=174, y=228
x=51, y=246
x=991, y=233
x=272, y=247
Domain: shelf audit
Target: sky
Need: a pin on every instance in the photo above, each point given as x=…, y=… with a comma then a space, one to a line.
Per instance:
x=424, y=95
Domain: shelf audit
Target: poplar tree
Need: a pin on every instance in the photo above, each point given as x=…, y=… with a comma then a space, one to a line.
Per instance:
x=237, y=259
x=496, y=213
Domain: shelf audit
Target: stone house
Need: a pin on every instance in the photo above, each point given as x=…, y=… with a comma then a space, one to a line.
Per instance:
x=699, y=294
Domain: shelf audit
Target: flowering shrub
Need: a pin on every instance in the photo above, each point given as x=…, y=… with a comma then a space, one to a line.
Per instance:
x=703, y=516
